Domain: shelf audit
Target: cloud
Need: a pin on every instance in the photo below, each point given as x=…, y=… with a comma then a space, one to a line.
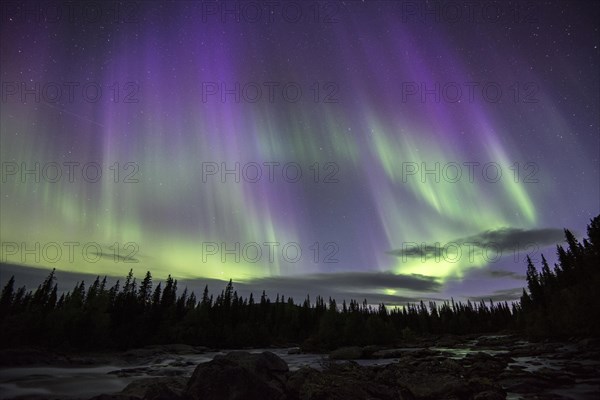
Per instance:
x=502, y=295
x=515, y=238
x=377, y=287
x=494, y=273
x=499, y=240
x=117, y=257
x=373, y=286
x=364, y=281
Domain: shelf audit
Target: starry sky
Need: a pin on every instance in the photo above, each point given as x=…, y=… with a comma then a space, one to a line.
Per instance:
x=396, y=151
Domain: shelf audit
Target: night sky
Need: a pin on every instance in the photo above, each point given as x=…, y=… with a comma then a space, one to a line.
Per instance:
x=348, y=149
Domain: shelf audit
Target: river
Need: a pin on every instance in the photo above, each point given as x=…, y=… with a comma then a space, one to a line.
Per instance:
x=83, y=382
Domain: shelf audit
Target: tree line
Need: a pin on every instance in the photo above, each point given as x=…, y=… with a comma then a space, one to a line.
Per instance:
x=135, y=314
x=564, y=300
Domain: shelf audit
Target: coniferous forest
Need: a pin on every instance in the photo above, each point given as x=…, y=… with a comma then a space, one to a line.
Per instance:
x=558, y=301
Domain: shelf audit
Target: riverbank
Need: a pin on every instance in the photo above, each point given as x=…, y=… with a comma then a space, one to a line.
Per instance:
x=489, y=367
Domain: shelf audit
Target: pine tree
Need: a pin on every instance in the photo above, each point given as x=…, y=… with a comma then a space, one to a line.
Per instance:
x=191, y=302
x=6, y=298
x=169, y=293
x=227, y=297
x=129, y=286
x=93, y=291
x=547, y=278
x=42, y=294
x=206, y=302
x=52, y=298
x=157, y=295
x=145, y=292
x=533, y=281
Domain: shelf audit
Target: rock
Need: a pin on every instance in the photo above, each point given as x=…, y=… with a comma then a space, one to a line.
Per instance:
x=589, y=342
x=239, y=376
x=435, y=386
x=115, y=397
x=486, y=365
x=452, y=366
x=265, y=362
x=346, y=353
x=489, y=395
x=448, y=341
x=495, y=341
x=425, y=354
x=523, y=383
x=558, y=377
x=487, y=368
x=429, y=379
x=389, y=353
x=479, y=356
x=486, y=388
x=156, y=388
x=585, y=371
x=294, y=350
x=299, y=379
x=345, y=381
x=368, y=351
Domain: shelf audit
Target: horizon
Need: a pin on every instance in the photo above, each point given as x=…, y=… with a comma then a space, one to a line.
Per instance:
x=244, y=292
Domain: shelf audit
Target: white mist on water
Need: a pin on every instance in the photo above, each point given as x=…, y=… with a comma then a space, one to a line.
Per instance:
x=60, y=381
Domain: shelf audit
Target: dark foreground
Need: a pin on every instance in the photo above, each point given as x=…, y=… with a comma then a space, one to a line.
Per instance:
x=485, y=368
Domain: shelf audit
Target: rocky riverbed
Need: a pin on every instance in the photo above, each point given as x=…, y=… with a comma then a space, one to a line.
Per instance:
x=484, y=368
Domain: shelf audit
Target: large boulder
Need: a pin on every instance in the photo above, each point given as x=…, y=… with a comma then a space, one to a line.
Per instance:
x=486, y=389
x=300, y=379
x=346, y=381
x=483, y=364
x=239, y=376
x=265, y=363
x=430, y=379
x=156, y=388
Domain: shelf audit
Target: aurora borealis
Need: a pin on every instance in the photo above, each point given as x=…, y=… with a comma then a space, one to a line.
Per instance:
x=408, y=130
